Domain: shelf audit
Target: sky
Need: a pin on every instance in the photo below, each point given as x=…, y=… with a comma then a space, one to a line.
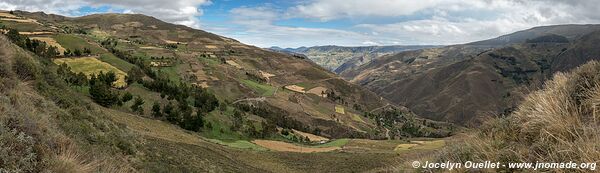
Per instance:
x=287, y=23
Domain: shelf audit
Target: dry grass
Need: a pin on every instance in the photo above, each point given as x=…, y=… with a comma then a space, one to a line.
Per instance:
x=51, y=42
x=311, y=137
x=7, y=15
x=295, y=88
x=91, y=65
x=37, y=33
x=233, y=63
x=320, y=91
x=339, y=109
x=20, y=20
x=557, y=124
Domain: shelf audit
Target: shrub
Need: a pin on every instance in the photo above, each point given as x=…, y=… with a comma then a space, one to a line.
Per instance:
x=25, y=68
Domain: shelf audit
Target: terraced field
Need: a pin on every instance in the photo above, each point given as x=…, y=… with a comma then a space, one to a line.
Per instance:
x=91, y=65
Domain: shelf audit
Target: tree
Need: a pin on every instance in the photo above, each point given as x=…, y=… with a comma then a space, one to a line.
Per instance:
x=205, y=101
x=107, y=78
x=137, y=105
x=135, y=74
x=87, y=51
x=238, y=120
x=77, y=52
x=101, y=92
x=51, y=52
x=156, y=110
x=67, y=53
x=171, y=113
x=126, y=97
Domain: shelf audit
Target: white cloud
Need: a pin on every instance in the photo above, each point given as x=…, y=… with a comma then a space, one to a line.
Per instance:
x=177, y=11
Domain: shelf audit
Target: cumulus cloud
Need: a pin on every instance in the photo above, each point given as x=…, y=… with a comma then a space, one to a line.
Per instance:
x=177, y=11
x=448, y=21
x=372, y=22
x=257, y=27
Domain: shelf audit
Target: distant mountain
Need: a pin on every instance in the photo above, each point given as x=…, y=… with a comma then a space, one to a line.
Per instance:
x=468, y=83
x=339, y=58
x=570, y=32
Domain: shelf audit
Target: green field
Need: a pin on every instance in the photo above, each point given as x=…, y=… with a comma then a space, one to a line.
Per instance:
x=420, y=145
x=73, y=42
x=117, y=62
x=241, y=144
x=334, y=143
x=262, y=89
x=22, y=26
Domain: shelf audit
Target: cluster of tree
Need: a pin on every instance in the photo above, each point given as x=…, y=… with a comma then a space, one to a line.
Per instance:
x=407, y=125
x=274, y=115
x=86, y=51
x=333, y=96
x=111, y=44
x=74, y=30
x=78, y=79
x=100, y=89
x=288, y=133
x=181, y=114
x=241, y=124
x=171, y=46
x=40, y=48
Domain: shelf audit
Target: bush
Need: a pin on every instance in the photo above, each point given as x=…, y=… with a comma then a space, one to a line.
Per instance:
x=17, y=152
x=25, y=68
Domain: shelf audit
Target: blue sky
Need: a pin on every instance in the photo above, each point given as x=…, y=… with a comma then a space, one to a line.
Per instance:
x=287, y=23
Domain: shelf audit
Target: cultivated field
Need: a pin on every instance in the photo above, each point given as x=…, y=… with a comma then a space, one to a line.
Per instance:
x=91, y=65
x=320, y=91
x=50, y=41
x=284, y=146
x=295, y=88
x=311, y=137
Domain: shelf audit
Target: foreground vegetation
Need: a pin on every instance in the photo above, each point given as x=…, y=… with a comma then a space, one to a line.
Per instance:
x=556, y=124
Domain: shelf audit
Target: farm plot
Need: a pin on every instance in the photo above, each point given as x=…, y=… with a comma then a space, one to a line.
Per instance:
x=320, y=91
x=91, y=65
x=262, y=89
x=420, y=145
x=50, y=41
x=74, y=42
x=339, y=109
x=233, y=63
x=288, y=147
x=311, y=137
x=295, y=88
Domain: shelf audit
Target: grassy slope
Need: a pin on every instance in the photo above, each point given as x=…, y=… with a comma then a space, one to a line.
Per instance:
x=261, y=89
x=555, y=124
x=73, y=42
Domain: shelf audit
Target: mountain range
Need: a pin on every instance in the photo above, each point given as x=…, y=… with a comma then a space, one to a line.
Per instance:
x=469, y=83
x=339, y=58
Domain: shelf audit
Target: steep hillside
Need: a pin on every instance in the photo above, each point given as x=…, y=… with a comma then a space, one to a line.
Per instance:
x=339, y=59
x=465, y=83
x=553, y=125
x=571, y=32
